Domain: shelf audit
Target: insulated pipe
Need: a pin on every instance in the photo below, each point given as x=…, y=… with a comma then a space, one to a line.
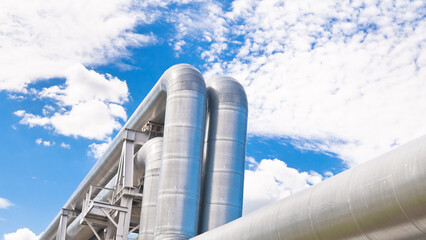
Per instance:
x=180, y=174
x=149, y=158
x=152, y=108
x=384, y=198
x=223, y=175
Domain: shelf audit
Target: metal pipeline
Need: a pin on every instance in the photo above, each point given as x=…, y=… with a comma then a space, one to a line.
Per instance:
x=384, y=198
x=149, y=158
x=152, y=108
x=223, y=173
x=180, y=174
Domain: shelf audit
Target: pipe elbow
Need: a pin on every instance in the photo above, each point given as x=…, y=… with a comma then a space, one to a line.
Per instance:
x=182, y=77
x=225, y=90
x=151, y=147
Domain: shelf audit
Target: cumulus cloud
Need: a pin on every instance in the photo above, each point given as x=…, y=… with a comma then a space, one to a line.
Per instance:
x=30, y=119
x=271, y=180
x=96, y=150
x=40, y=141
x=84, y=85
x=41, y=40
x=4, y=203
x=338, y=77
x=88, y=105
x=21, y=234
x=58, y=40
x=198, y=23
x=65, y=145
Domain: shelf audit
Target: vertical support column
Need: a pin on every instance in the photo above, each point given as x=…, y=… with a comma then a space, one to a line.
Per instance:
x=109, y=231
x=62, y=229
x=63, y=222
x=127, y=182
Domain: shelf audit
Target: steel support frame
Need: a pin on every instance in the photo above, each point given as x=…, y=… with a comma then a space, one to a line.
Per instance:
x=125, y=181
x=63, y=222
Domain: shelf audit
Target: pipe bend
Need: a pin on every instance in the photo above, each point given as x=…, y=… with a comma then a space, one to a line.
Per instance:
x=226, y=90
x=142, y=156
x=181, y=77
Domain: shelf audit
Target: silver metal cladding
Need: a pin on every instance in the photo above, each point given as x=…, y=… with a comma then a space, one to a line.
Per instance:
x=149, y=158
x=223, y=175
x=180, y=175
x=384, y=198
x=152, y=108
x=184, y=194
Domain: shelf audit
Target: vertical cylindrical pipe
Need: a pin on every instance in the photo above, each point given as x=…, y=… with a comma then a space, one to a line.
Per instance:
x=149, y=157
x=180, y=174
x=223, y=173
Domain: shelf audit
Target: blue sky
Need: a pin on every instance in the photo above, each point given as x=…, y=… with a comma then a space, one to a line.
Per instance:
x=330, y=84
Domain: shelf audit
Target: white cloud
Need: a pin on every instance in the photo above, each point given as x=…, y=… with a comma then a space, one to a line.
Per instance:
x=272, y=179
x=30, y=119
x=338, y=77
x=91, y=120
x=40, y=39
x=43, y=40
x=15, y=97
x=97, y=149
x=88, y=105
x=21, y=234
x=65, y=145
x=328, y=174
x=48, y=143
x=47, y=110
x=40, y=141
x=84, y=85
x=117, y=111
x=198, y=24
x=4, y=203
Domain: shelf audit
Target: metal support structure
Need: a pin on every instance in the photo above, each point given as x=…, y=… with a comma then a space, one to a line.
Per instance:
x=62, y=229
x=125, y=180
x=93, y=230
x=114, y=215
